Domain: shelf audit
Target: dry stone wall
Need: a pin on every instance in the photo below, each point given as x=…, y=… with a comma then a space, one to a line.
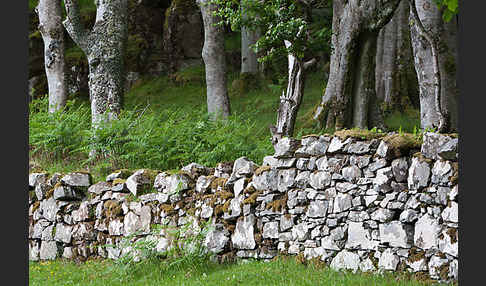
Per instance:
x=367, y=205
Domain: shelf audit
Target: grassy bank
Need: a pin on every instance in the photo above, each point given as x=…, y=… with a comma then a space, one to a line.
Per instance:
x=278, y=272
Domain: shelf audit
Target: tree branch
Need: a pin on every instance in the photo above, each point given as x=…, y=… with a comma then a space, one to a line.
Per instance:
x=74, y=26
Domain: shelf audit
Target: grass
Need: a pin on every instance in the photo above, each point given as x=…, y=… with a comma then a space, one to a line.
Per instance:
x=282, y=271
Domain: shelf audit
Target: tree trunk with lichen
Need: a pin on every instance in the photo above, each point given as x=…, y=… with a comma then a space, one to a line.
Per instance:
x=290, y=99
x=350, y=98
x=215, y=63
x=395, y=77
x=435, y=56
x=104, y=46
x=52, y=31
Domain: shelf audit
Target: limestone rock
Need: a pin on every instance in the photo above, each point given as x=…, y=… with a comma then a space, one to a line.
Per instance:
x=448, y=151
x=267, y=180
x=285, y=147
x=426, y=232
x=451, y=213
x=388, y=260
x=242, y=167
x=418, y=174
x=448, y=241
x=286, y=179
x=400, y=169
x=382, y=215
x=317, y=209
x=139, y=182
x=409, y=215
x=359, y=237
x=312, y=146
x=286, y=222
x=216, y=239
x=432, y=143
x=346, y=260
x=320, y=179
x=82, y=213
x=77, y=179
x=396, y=234
x=359, y=147
x=435, y=265
x=196, y=170
x=302, y=179
x=351, y=173
x=441, y=172
x=49, y=250
x=342, y=202
x=300, y=231
x=270, y=229
x=37, y=178
x=243, y=237
x=99, y=188
x=49, y=209
x=63, y=233
x=337, y=145
x=34, y=250
x=202, y=184
x=65, y=193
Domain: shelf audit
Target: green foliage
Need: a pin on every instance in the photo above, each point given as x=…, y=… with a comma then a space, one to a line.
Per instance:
x=281, y=20
x=145, y=137
x=450, y=8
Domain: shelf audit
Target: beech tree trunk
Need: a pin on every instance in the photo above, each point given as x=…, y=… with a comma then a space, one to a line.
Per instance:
x=215, y=63
x=435, y=57
x=104, y=46
x=350, y=98
x=396, y=81
x=249, y=63
x=52, y=31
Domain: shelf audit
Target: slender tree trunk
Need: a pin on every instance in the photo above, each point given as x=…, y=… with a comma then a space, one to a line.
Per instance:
x=290, y=99
x=435, y=57
x=214, y=60
x=52, y=32
x=350, y=98
x=104, y=46
x=249, y=63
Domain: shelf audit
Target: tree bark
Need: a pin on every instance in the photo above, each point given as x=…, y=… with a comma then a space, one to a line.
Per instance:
x=52, y=32
x=350, y=98
x=249, y=63
x=104, y=46
x=396, y=81
x=290, y=99
x=215, y=63
x=435, y=57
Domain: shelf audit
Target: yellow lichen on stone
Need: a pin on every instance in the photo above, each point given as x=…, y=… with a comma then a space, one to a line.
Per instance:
x=251, y=200
x=262, y=169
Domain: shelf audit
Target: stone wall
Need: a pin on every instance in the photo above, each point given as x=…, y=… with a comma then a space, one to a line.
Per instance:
x=360, y=204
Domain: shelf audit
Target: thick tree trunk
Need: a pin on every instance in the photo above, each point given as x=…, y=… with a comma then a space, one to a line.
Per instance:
x=52, y=31
x=435, y=57
x=396, y=81
x=214, y=60
x=104, y=47
x=350, y=99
